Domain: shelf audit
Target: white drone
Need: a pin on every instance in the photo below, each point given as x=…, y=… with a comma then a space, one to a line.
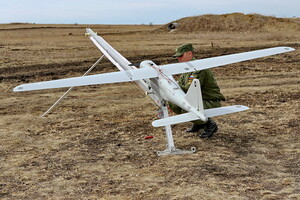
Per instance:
x=158, y=83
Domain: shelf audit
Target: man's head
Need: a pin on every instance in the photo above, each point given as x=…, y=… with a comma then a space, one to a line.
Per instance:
x=184, y=53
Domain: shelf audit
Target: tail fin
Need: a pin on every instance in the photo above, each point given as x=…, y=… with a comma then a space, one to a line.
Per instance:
x=194, y=95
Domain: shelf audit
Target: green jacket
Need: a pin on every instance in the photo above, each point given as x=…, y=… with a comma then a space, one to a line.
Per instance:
x=209, y=87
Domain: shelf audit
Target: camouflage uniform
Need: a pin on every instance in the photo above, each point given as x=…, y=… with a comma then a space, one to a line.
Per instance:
x=211, y=94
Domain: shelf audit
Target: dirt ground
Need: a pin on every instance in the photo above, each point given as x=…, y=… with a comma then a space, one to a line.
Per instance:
x=92, y=146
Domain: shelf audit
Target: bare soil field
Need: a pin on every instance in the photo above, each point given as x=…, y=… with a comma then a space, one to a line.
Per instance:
x=92, y=146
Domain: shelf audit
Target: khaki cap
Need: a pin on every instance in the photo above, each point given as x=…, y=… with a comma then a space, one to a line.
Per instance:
x=182, y=49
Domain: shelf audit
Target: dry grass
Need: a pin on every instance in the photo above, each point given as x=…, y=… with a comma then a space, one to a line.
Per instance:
x=92, y=145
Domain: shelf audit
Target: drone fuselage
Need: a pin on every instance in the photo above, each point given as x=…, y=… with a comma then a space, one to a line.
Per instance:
x=167, y=88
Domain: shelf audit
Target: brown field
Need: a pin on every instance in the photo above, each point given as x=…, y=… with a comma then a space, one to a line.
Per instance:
x=92, y=145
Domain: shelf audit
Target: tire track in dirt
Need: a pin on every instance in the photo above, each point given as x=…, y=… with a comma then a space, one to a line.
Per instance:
x=103, y=33
x=27, y=72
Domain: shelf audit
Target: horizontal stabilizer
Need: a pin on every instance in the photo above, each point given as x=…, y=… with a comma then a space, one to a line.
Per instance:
x=206, y=63
x=213, y=112
x=187, y=117
x=113, y=77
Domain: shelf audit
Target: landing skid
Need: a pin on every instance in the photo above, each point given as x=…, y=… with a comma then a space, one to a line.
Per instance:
x=171, y=150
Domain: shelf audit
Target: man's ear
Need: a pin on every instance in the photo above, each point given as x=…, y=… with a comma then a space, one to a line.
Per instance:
x=190, y=54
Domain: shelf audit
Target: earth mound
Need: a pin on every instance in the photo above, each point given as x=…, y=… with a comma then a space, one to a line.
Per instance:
x=233, y=22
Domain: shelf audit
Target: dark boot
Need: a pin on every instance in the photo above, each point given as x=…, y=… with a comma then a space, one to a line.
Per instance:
x=210, y=128
x=196, y=128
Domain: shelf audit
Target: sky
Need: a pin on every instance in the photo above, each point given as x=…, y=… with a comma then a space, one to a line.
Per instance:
x=135, y=11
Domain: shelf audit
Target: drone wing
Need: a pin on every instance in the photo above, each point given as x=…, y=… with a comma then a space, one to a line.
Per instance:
x=113, y=77
x=113, y=55
x=144, y=73
x=179, y=68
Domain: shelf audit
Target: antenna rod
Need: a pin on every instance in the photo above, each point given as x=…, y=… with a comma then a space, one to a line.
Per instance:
x=69, y=90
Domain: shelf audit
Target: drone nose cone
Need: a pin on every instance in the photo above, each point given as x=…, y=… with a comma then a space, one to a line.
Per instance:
x=147, y=63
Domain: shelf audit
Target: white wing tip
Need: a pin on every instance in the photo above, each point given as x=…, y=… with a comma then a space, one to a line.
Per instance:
x=19, y=88
x=156, y=123
x=288, y=48
x=241, y=107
